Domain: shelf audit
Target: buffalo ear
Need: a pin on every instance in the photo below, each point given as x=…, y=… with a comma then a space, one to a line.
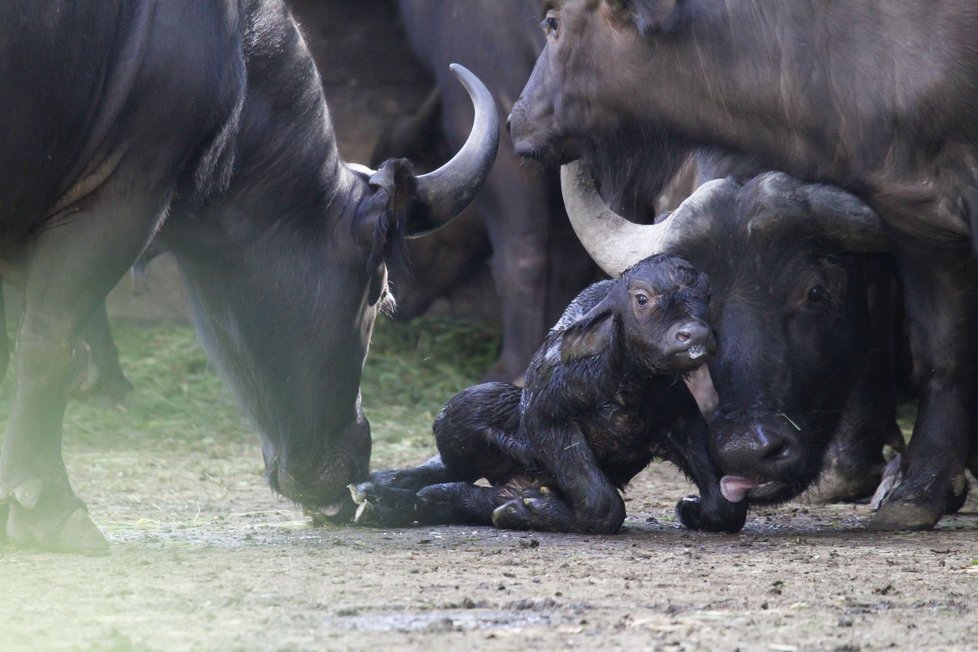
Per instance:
x=591, y=335
x=650, y=16
x=382, y=215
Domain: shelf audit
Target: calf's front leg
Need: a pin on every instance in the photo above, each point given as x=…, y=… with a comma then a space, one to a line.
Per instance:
x=688, y=445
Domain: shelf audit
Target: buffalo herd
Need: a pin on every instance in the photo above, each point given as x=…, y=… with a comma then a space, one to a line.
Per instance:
x=829, y=229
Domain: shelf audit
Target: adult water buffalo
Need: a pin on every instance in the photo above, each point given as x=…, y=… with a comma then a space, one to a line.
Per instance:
x=877, y=97
x=202, y=123
x=803, y=308
x=536, y=263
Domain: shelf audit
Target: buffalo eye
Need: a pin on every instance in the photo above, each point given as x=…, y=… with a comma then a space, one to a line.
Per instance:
x=641, y=299
x=550, y=25
x=818, y=294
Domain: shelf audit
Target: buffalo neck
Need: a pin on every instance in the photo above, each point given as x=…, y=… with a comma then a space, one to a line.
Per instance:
x=832, y=64
x=276, y=288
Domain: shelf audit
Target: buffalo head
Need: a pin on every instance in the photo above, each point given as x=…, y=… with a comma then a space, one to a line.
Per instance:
x=298, y=364
x=584, y=88
x=789, y=309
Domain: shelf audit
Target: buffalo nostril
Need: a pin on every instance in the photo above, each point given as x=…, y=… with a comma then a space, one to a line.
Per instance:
x=509, y=123
x=776, y=451
x=776, y=447
x=683, y=336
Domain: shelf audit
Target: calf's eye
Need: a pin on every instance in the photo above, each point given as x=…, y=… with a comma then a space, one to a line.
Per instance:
x=641, y=299
x=550, y=25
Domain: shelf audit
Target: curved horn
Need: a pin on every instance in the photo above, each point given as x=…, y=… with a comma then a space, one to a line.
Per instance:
x=613, y=242
x=835, y=213
x=445, y=192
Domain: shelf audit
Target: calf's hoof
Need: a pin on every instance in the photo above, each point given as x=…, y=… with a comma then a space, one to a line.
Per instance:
x=379, y=506
x=729, y=518
x=513, y=515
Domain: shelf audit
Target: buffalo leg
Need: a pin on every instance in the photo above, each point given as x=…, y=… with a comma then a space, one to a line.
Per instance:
x=854, y=460
x=940, y=300
x=518, y=225
x=110, y=384
x=71, y=268
x=4, y=340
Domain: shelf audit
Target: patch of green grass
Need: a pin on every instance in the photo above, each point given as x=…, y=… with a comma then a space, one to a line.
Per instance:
x=177, y=396
x=906, y=416
x=411, y=371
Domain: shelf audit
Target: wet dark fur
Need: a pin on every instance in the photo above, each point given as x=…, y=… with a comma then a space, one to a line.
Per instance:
x=600, y=401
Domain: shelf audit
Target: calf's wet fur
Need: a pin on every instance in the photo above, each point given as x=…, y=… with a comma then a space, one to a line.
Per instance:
x=603, y=397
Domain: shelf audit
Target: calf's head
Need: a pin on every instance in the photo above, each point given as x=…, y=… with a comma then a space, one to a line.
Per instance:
x=660, y=307
x=789, y=308
x=664, y=304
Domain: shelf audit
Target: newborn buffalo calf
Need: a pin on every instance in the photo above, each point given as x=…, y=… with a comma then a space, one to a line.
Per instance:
x=603, y=396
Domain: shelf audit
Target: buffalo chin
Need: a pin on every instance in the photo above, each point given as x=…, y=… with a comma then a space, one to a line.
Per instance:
x=545, y=153
x=774, y=492
x=323, y=502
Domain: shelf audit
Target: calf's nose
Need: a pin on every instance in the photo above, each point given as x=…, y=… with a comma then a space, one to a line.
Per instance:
x=690, y=335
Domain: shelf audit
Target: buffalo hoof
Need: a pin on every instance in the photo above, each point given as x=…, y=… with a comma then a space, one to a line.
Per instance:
x=895, y=512
x=379, y=506
x=893, y=515
x=693, y=516
x=48, y=530
x=111, y=390
x=889, y=488
x=49, y=517
x=540, y=508
x=957, y=494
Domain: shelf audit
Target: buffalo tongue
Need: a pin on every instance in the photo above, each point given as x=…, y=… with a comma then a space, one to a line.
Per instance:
x=735, y=487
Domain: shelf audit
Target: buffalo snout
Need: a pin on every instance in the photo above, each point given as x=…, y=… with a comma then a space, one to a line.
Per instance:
x=761, y=458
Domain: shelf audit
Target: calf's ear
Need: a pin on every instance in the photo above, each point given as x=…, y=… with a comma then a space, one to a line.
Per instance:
x=649, y=16
x=591, y=335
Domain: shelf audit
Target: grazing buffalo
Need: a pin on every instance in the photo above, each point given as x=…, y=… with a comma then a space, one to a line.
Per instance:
x=880, y=98
x=199, y=125
x=537, y=264
x=603, y=396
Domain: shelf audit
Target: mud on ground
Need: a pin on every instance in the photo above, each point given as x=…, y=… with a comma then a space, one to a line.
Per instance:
x=205, y=557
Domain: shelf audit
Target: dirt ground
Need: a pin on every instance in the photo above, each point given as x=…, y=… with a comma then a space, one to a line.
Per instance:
x=205, y=557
